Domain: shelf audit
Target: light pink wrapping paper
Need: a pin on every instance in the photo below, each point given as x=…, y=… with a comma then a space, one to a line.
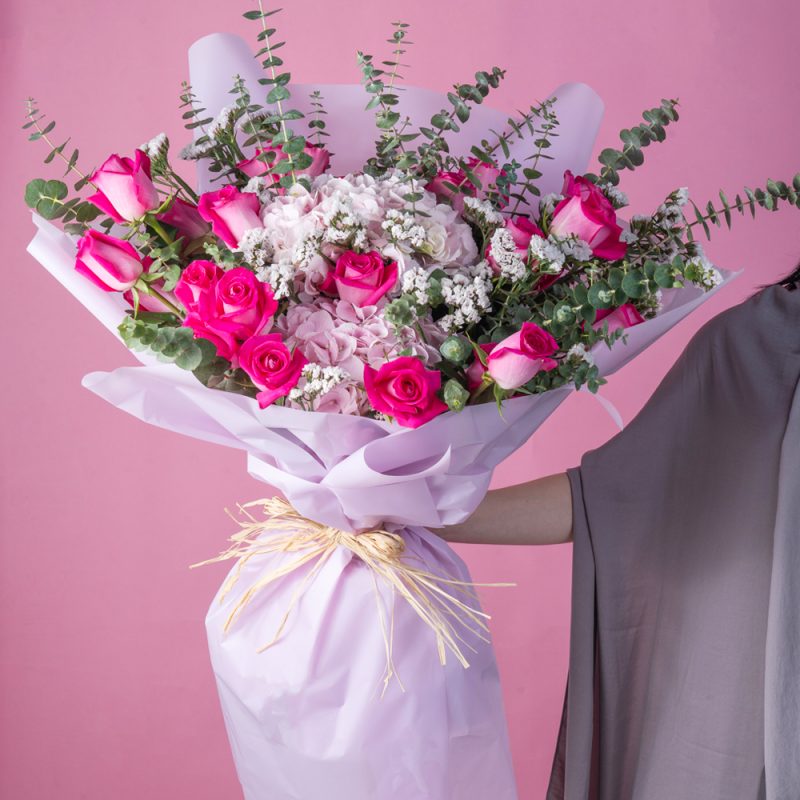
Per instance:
x=305, y=718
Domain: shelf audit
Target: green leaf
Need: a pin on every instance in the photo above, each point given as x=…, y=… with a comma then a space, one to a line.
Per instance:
x=34, y=191
x=600, y=295
x=277, y=94
x=633, y=284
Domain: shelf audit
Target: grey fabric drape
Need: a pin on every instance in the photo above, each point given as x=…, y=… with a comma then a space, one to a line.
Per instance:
x=685, y=643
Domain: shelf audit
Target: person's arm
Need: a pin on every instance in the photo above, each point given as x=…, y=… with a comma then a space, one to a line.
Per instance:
x=538, y=512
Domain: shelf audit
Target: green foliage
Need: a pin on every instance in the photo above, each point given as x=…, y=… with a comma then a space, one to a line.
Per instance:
x=161, y=334
x=316, y=122
x=456, y=349
x=634, y=139
x=50, y=200
x=455, y=395
x=218, y=373
x=769, y=198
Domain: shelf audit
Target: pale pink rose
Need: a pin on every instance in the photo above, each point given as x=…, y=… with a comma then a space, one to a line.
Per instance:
x=361, y=278
x=198, y=280
x=110, y=263
x=516, y=359
x=271, y=366
x=186, y=219
x=255, y=167
x=125, y=190
x=587, y=213
x=625, y=316
x=449, y=238
x=405, y=390
x=231, y=213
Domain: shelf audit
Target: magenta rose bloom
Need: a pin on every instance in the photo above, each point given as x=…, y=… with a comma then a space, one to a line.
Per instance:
x=231, y=213
x=588, y=214
x=255, y=167
x=125, y=190
x=197, y=282
x=405, y=390
x=240, y=304
x=522, y=230
x=226, y=343
x=271, y=366
x=360, y=278
x=485, y=173
x=515, y=360
x=186, y=219
x=110, y=263
x=625, y=316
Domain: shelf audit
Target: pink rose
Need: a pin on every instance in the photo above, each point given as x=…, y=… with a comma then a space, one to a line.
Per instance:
x=231, y=213
x=270, y=365
x=240, y=304
x=226, y=343
x=485, y=173
x=476, y=370
x=110, y=263
x=588, y=214
x=360, y=278
x=149, y=302
x=186, y=219
x=405, y=390
x=125, y=191
x=625, y=316
x=197, y=282
x=255, y=167
x=520, y=356
x=522, y=230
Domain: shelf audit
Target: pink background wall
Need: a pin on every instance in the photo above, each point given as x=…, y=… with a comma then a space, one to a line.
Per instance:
x=106, y=687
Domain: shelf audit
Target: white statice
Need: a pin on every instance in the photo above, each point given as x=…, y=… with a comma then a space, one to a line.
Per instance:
x=222, y=121
x=705, y=273
x=343, y=225
x=416, y=282
x=468, y=296
x=279, y=276
x=548, y=254
x=617, y=197
x=157, y=147
x=628, y=236
x=196, y=150
x=573, y=247
x=403, y=228
x=317, y=380
x=481, y=212
x=681, y=196
x=256, y=247
x=262, y=187
x=507, y=256
x=578, y=352
x=548, y=202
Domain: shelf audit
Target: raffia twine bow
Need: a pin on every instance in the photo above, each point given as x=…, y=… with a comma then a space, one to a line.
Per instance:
x=432, y=597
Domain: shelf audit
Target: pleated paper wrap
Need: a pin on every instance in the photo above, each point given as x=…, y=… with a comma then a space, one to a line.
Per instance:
x=310, y=717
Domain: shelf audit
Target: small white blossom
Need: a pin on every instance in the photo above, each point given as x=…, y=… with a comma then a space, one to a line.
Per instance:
x=157, y=147
x=574, y=248
x=343, y=226
x=255, y=247
x=506, y=255
x=548, y=202
x=261, y=187
x=318, y=381
x=580, y=353
x=306, y=249
x=481, y=212
x=617, y=197
x=547, y=253
x=468, y=294
x=222, y=121
x=416, y=282
x=194, y=150
x=706, y=274
x=279, y=276
x=402, y=228
x=681, y=196
x=628, y=236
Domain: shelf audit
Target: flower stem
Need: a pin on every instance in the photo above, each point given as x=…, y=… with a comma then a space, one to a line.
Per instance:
x=159, y=229
x=153, y=292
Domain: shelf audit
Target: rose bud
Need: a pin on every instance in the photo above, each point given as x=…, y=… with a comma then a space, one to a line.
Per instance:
x=110, y=263
x=272, y=368
x=360, y=278
x=516, y=359
x=625, y=316
x=256, y=167
x=405, y=390
x=125, y=191
x=186, y=219
x=587, y=213
x=231, y=213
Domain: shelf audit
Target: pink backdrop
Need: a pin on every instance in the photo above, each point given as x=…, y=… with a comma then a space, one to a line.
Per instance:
x=106, y=687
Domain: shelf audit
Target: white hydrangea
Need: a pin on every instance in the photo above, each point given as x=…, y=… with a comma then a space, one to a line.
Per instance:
x=506, y=255
x=580, y=353
x=318, y=381
x=416, y=282
x=468, y=295
x=547, y=253
x=156, y=147
x=481, y=212
x=403, y=229
x=256, y=247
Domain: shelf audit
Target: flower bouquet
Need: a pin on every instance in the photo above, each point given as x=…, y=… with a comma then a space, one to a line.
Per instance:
x=376, y=339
